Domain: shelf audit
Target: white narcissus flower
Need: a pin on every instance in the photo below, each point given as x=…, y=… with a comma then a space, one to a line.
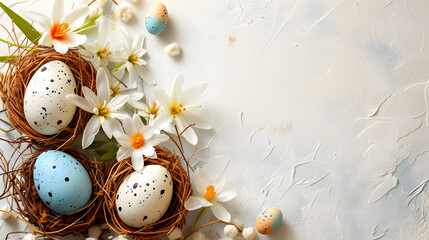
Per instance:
x=100, y=49
x=131, y=55
x=58, y=30
x=138, y=141
x=178, y=109
x=211, y=193
x=106, y=111
x=134, y=95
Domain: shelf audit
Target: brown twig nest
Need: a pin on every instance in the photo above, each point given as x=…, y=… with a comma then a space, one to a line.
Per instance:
x=175, y=215
x=28, y=204
x=13, y=85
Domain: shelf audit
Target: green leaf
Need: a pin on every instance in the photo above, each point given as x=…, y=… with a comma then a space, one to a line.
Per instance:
x=8, y=58
x=144, y=120
x=110, y=154
x=96, y=144
x=30, y=32
x=117, y=66
x=88, y=24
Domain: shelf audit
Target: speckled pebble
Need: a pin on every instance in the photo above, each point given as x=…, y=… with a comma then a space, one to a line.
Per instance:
x=46, y=108
x=62, y=182
x=144, y=197
x=269, y=220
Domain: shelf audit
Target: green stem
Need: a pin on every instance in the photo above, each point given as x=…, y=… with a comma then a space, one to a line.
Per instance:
x=12, y=44
x=199, y=217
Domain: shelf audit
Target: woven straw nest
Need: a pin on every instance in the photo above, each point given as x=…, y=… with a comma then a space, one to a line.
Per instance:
x=29, y=205
x=175, y=215
x=13, y=85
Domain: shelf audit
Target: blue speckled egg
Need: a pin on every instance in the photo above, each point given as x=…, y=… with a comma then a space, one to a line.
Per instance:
x=156, y=18
x=62, y=182
x=269, y=220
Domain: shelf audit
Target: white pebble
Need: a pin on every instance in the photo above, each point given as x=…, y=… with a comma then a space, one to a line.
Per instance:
x=102, y=3
x=29, y=236
x=198, y=236
x=249, y=233
x=94, y=231
x=173, y=49
x=238, y=223
x=176, y=234
x=122, y=237
x=91, y=238
x=230, y=231
x=124, y=12
x=93, y=11
x=3, y=215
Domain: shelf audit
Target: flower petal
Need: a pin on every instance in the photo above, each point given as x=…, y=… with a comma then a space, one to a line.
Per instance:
x=193, y=203
x=138, y=42
x=111, y=127
x=220, y=212
x=76, y=17
x=200, y=181
x=162, y=121
x=192, y=94
x=176, y=88
x=226, y=195
x=57, y=11
x=137, y=122
x=148, y=150
x=132, y=79
x=117, y=102
x=39, y=18
x=189, y=134
x=162, y=97
x=60, y=47
x=124, y=140
x=73, y=39
x=191, y=118
x=79, y=101
x=124, y=153
x=91, y=98
x=45, y=39
x=157, y=139
x=129, y=127
x=220, y=182
x=137, y=160
x=145, y=75
x=102, y=85
x=91, y=129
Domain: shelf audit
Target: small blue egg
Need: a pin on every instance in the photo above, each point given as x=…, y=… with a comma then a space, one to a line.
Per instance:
x=154, y=26
x=62, y=182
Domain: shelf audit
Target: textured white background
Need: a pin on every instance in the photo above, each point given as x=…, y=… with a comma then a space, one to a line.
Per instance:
x=320, y=107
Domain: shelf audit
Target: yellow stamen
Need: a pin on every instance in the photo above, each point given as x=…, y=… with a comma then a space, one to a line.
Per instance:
x=153, y=109
x=132, y=58
x=104, y=50
x=103, y=111
x=210, y=193
x=137, y=140
x=176, y=109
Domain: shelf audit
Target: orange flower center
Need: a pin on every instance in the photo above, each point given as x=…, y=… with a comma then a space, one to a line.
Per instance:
x=59, y=31
x=103, y=53
x=137, y=140
x=176, y=109
x=210, y=193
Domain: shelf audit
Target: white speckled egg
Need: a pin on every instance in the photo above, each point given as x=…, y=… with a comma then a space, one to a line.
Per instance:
x=62, y=182
x=45, y=105
x=144, y=197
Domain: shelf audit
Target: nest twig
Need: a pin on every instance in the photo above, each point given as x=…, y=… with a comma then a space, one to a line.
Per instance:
x=13, y=85
x=27, y=203
x=176, y=212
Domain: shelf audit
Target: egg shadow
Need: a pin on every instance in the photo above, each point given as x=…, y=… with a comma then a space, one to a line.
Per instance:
x=170, y=33
x=283, y=232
